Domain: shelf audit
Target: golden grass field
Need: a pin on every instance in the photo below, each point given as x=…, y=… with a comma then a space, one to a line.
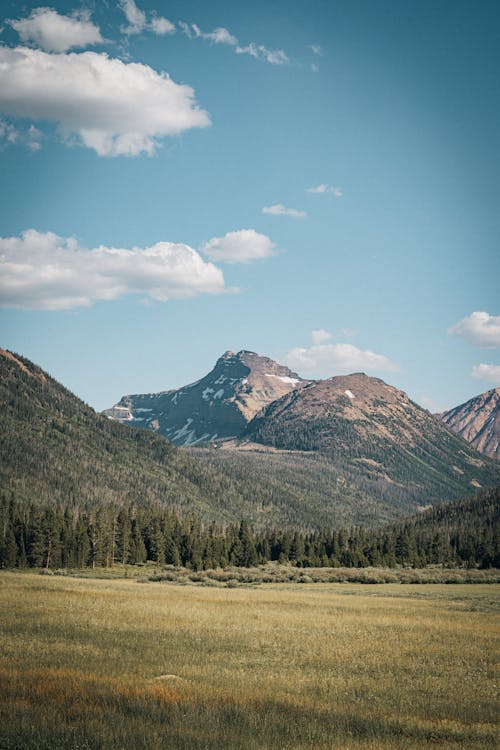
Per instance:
x=111, y=664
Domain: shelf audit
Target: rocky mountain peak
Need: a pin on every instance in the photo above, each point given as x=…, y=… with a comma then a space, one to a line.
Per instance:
x=219, y=405
x=478, y=422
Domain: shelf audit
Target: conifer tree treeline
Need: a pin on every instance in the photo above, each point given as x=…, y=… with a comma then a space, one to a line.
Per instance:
x=464, y=533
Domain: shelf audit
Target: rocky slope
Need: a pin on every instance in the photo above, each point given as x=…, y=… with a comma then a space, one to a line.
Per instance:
x=478, y=422
x=219, y=405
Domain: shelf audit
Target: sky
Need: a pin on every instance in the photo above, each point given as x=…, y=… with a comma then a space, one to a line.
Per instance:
x=313, y=180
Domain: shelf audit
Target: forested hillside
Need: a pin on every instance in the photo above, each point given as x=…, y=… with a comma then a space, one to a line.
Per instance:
x=463, y=533
x=56, y=450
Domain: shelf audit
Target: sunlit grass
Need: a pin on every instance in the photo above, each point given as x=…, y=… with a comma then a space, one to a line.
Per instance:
x=117, y=664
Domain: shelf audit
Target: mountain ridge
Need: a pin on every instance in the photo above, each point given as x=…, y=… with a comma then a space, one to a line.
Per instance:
x=477, y=421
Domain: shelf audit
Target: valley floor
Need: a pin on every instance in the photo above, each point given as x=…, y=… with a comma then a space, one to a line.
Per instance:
x=108, y=664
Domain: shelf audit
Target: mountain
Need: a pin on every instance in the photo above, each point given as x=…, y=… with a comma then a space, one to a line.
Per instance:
x=219, y=405
x=54, y=448
x=478, y=422
x=377, y=438
x=306, y=467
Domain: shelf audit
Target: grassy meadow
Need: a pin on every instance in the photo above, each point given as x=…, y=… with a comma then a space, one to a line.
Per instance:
x=119, y=664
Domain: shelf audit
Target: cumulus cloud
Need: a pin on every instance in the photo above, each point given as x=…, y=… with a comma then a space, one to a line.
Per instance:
x=324, y=188
x=479, y=328
x=324, y=358
x=242, y=246
x=221, y=35
x=280, y=210
x=137, y=21
x=490, y=373
x=113, y=107
x=53, y=32
x=44, y=271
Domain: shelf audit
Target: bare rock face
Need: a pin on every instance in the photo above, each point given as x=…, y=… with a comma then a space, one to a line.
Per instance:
x=219, y=405
x=478, y=422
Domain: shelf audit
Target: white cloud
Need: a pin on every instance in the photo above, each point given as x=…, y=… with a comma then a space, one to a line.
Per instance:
x=161, y=26
x=490, y=373
x=324, y=359
x=43, y=271
x=320, y=336
x=324, y=188
x=280, y=210
x=136, y=18
x=56, y=33
x=137, y=21
x=259, y=52
x=479, y=328
x=221, y=35
x=316, y=49
x=30, y=137
x=34, y=138
x=113, y=107
x=315, y=67
x=8, y=132
x=242, y=246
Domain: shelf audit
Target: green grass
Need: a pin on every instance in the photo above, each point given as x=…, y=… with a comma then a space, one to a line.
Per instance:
x=111, y=664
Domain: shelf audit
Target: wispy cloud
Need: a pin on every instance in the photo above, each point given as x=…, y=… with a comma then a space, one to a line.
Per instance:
x=320, y=336
x=138, y=21
x=324, y=188
x=30, y=137
x=8, y=133
x=278, y=209
x=479, y=328
x=44, y=271
x=260, y=52
x=325, y=358
x=490, y=373
x=112, y=107
x=54, y=32
x=242, y=246
x=316, y=50
x=221, y=35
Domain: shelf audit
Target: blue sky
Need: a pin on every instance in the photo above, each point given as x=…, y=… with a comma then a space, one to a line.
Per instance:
x=315, y=181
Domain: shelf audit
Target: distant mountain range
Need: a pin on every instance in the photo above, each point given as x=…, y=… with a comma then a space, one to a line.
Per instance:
x=478, y=422
x=354, y=436
x=219, y=405
x=343, y=451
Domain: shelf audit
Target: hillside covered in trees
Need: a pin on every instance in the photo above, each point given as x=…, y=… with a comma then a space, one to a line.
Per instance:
x=55, y=450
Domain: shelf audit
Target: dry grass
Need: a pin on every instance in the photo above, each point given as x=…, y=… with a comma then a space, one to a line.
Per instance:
x=318, y=666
